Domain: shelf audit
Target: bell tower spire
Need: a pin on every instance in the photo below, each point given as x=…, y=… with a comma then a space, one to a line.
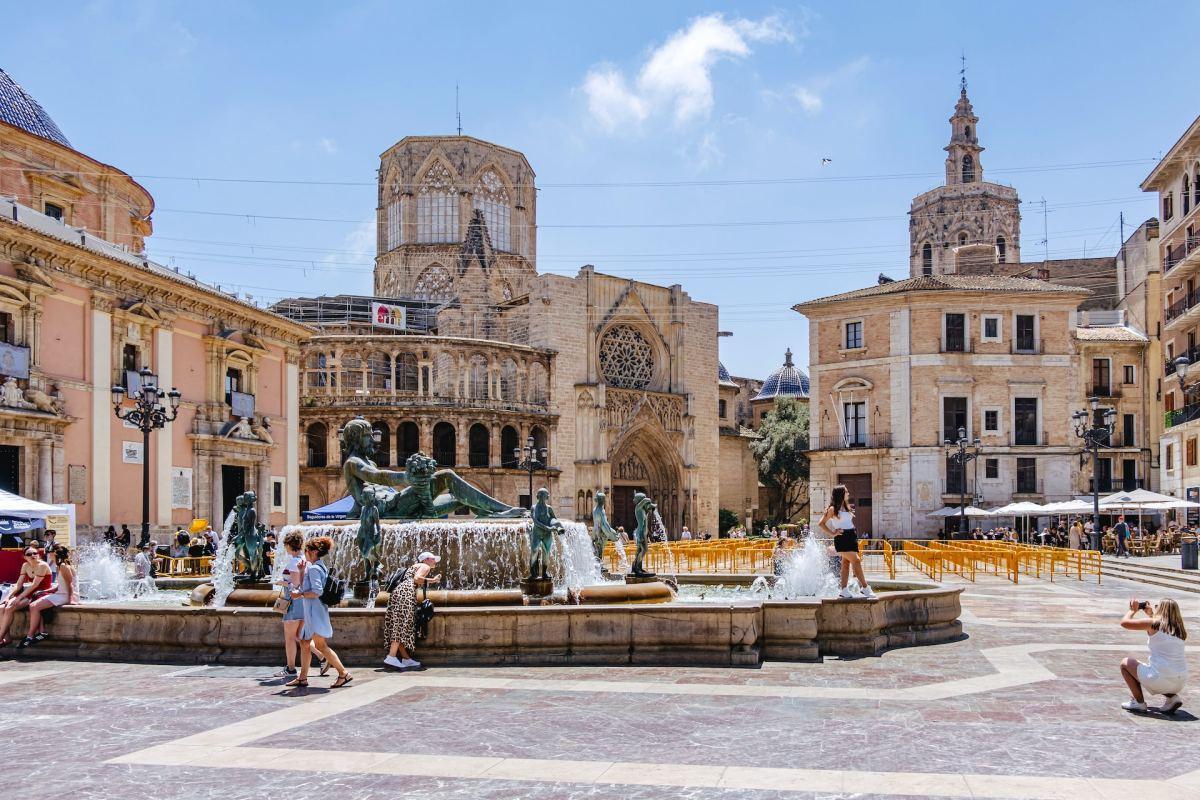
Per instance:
x=962, y=159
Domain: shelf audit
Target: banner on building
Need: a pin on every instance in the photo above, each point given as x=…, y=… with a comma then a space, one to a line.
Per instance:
x=385, y=315
x=131, y=452
x=14, y=361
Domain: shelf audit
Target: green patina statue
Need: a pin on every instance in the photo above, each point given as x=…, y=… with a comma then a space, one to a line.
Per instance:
x=248, y=537
x=370, y=537
x=545, y=524
x=642, y=508
x=428, y=493
x=602, y=531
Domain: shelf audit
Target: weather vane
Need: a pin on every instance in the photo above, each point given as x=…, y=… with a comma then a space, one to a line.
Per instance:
x=963, y=71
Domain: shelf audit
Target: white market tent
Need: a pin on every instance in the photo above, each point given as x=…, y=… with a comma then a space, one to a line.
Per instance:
x=14, y=505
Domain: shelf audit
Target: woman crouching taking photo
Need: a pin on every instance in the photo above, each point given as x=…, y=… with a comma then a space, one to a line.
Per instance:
x=1166, y=670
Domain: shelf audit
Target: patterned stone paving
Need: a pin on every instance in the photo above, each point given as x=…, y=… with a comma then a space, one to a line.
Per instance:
x=1026, y=705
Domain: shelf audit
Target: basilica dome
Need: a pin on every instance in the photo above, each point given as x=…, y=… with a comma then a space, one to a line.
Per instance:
x=787, y=381
x=20, y=110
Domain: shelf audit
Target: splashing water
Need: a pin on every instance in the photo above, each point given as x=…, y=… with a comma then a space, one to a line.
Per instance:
x=659, y=531
x=806, y=572
x=104, y=575
x=222, y=565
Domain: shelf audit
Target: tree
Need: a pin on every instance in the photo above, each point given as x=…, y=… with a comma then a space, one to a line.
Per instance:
x=782, y=465
x=726, y=519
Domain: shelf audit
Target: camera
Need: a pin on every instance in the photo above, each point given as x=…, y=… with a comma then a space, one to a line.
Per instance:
x=1143, y=606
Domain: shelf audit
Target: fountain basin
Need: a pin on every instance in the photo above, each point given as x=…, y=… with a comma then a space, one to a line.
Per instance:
x=735, y=633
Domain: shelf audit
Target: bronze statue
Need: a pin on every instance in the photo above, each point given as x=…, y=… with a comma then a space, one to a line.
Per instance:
x=248, y=537
x=545, y=523
x=642, y=508
x=370, y=537
x=602, y=531
x=428, y=492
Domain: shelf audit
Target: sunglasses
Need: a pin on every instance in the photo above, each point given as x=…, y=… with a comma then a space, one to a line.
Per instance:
x=31, y=554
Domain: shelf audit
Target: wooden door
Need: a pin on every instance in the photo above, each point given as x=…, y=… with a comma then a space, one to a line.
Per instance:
x=621, y=508
x=859, y=488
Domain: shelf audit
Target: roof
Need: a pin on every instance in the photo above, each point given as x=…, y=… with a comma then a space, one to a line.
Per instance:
x=949, y=283
x=20, y=110
x=723, y=375
x=1098, y=275
x=1161, y=171
x=1110, y=333
x=787, y=381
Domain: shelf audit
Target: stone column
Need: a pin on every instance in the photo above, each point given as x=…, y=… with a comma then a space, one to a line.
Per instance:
x=102, y=412
x=494, y=454
x=264, y=490
x=45, y=472
x=426, y=435
x=462, y=431
x=162, y=439
x=216, y=516
x=333, y=447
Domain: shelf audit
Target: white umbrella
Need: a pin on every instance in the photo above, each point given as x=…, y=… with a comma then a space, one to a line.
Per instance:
x=1068, y=507
x=1022, y=509
x=1134, y=499
x=954, y=511
x=1174, y=503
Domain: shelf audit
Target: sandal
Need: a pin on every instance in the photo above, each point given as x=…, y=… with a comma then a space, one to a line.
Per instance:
x=297, y=683
x=342, y=681
x=5, y=642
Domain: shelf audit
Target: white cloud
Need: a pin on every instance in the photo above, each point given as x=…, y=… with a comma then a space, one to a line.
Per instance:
x=358, y=246
x=677, y=75
x=329, y=146
x=810, y=95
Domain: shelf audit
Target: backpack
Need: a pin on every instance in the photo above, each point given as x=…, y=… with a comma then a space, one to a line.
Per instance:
x=423, y=615
x=333, y=591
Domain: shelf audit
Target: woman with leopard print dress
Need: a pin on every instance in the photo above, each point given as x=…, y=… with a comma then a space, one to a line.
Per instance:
x=399, y=628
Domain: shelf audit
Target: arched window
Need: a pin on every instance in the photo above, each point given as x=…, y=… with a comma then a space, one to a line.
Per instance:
x=316, y=365
x=408, y=440
x=443, y=375
x=968, y=169
x=379, y=371
x=1186, y=193
x=445, y=444
x=479, y=441
x=437, y=207
x=434, y=284
x=927, y=259
x=1196, y=186
x=967, y=131
x=352, y=377
x=539, y=439
x=1001, y=249
x=383, y=443
x=406, y=372
x=539, y=385
x=491, y=197
x=508, y=380
x=510, y=440
x=479, y=377
x=962, y=238
x=316, y=441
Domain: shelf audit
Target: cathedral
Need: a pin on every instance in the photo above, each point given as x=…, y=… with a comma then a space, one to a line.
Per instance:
x=466, y=352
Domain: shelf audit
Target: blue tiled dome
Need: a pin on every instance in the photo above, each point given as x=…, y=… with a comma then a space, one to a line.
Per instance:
x=723, y=374
x=17, y=108
x=787, y=381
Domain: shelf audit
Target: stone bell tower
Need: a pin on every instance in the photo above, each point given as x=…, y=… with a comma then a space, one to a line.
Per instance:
x=967, y=225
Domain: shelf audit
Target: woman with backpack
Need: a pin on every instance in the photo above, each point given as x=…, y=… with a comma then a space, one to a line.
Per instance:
x=399, y=625
x=317, y=628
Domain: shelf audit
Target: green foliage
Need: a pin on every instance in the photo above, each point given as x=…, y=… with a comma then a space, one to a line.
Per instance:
x=726, y=519
x=782, y=464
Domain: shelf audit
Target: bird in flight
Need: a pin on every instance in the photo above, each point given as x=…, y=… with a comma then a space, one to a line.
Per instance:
x=826, y=161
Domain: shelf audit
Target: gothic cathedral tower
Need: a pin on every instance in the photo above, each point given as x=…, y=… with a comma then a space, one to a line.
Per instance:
x=968, y=225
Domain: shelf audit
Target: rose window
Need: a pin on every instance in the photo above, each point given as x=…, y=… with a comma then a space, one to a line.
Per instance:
x=626, y=358
x=434, y=284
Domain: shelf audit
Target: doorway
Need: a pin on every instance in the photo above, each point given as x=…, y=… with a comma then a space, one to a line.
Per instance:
x=858, y=487
x=10, y=468
x=233, y=483
x=622, y=508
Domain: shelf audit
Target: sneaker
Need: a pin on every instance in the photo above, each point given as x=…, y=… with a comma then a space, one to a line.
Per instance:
x=286, y=672
x=1133, y=705
x=394, y=662
x=846, y=594
x=867, y=594
x=1173, y=704
x=409, y=663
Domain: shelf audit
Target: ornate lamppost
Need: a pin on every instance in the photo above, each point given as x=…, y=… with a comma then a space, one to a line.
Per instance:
x=147, y=414
x=961, y=453
x=530, y=459
x=1095, y=434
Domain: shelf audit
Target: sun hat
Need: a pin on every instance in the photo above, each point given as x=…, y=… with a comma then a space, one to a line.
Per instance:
x=427, y=555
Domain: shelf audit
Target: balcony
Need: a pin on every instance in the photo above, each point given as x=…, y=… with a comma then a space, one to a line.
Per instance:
x=340, y=397
x=1103, y=391
x=1192, y=353
x=867, y=442
x=1175, y=253
x=1026, y=487
x=1110, y=485
x=1180, y=307
x=1181, y=415
x=1027, y=347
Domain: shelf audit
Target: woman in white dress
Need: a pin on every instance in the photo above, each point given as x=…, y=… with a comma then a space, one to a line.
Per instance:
x=1166, y=670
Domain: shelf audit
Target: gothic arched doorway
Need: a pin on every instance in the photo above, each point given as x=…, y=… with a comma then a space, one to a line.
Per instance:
x=645, y=463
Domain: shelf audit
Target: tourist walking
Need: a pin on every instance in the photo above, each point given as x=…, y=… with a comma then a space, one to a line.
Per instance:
x=317, y=628
x=1165, y=672
x=1121, y=529
x=838, y=522
x=63, y=592
x=1075, y=537
x=33, y=578
x=399, y=624
x=293, y=614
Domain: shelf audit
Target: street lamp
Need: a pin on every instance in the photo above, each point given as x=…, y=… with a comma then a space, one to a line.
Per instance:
x=530, y=459
x=961, y=453
x=1095, y=434
x=148, y=414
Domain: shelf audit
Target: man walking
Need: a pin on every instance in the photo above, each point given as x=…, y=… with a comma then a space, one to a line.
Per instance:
x=1122, y=532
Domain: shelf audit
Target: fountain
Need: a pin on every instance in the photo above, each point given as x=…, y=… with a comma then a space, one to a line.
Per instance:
x=104, y=575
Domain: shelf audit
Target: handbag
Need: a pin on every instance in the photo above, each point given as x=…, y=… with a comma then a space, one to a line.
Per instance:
x=282, y=604
x=424, y=614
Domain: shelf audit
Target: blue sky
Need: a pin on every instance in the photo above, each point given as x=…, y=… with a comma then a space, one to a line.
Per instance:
x=618, y=94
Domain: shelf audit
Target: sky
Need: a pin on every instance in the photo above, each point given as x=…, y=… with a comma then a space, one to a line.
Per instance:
x=758, y=154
